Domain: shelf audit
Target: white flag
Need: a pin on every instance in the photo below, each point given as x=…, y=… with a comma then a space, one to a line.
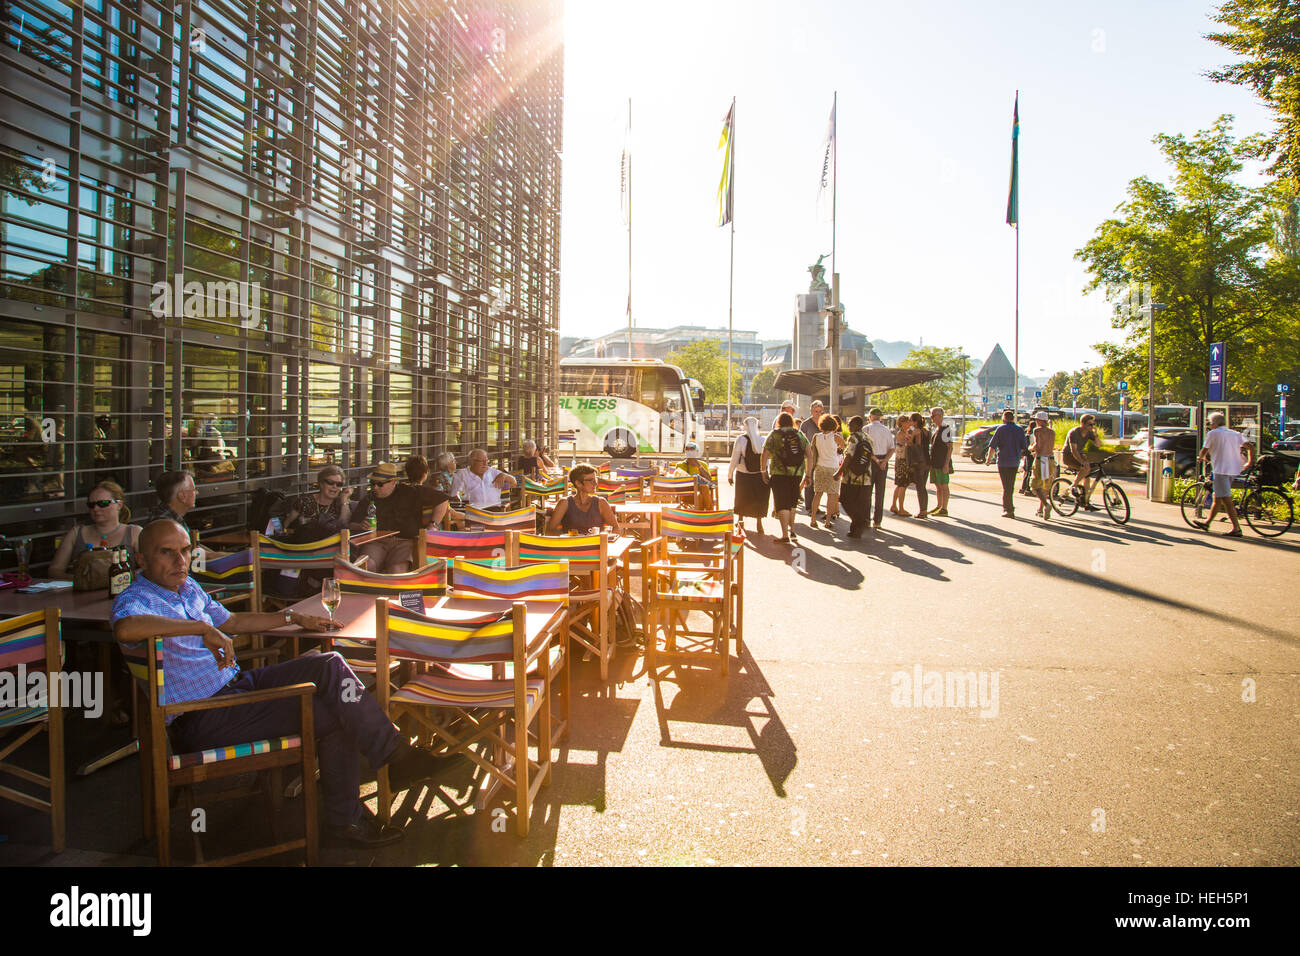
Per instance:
x=826, y=187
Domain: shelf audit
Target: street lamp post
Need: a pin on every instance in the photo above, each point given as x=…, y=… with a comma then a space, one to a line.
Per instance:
x=1151, y=309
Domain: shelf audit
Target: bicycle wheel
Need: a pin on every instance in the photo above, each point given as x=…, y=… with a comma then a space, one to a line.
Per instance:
x=1062, y=497
x=1116, y=502
x=1268, y=511
x=1193, y=505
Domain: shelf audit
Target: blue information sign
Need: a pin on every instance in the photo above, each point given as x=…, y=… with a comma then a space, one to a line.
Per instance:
x=1283, y=388
x=1038, y=395
x=1218, y=360
x=1008, y=398
x=1123, y=386
x=1074, y=391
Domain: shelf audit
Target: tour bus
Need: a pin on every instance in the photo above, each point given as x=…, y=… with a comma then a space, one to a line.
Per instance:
x=626, y=407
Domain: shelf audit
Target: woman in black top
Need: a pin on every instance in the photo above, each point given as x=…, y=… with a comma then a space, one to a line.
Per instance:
x=918, y=463
x=583, y=510
x=533, y=459
x=746, y=473
x=321, y=513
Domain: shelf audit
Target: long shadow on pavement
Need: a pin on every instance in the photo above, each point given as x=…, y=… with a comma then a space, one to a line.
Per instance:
x=808, y=562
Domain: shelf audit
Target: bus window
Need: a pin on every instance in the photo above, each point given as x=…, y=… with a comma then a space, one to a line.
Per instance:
x=651, y=390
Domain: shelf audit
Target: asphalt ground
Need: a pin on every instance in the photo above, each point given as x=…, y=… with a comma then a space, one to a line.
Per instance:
x=1141, y=701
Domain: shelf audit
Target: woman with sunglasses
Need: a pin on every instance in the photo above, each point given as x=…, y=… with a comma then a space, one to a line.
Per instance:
x=107, y=528
x=321, y=513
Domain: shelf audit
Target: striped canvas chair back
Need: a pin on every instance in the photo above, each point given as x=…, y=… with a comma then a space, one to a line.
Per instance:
x=705, y=525
x=612, y=490
x=581, y=551
x=137, y=662
x=222, y=575
x=544, y=487
x=431, y=580
x=481, y=546
x=673, y=485
x=22, y=640
x=529, y=582
x=637, y=473
x=418, y=637
x=602, y=468
x=313, y=554
x=522, y=519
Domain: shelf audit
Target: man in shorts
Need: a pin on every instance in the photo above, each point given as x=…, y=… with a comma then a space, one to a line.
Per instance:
x=1041, y=452
x=1073, y=456
x=940, y=461
x=1222, y=450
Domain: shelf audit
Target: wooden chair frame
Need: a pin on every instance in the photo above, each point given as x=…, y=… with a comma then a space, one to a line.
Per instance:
x=50, y=662
x=510, y=769
x=158, y=778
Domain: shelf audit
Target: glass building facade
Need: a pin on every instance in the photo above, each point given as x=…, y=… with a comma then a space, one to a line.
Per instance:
x=250, y=238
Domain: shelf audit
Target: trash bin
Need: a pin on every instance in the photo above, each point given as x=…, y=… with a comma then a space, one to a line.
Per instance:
x=1160, y=476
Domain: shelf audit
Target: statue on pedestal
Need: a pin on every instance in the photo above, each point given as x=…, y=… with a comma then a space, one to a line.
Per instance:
x=818, y=283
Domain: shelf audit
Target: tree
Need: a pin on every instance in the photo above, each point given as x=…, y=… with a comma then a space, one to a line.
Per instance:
x=762, y=388
x=1057, y=390
x=1202, y=248
x=946, y=391
x=706, y=360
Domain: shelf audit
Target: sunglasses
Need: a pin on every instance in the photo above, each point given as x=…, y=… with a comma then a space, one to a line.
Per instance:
x=103, y=502
x=335, y=484
x=379, y=484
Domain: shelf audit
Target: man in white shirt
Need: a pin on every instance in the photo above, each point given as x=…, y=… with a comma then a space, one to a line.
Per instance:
x=883, y=445
x=480, y=484
x=1222, y=450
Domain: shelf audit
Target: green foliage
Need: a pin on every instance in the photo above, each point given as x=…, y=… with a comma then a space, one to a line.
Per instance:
x=706, y=360
x=1202, y=244
x=946, y=391
x=762, y=387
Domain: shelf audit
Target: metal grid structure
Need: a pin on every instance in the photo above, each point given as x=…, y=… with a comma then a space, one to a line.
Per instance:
x=353, y=207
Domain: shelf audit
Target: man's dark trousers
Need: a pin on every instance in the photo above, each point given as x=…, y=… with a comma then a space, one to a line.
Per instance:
x=856, y=502
x=348, y=722
x=879, y=476
x=1008, y=476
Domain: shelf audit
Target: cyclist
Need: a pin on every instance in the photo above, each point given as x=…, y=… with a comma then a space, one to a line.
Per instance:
x=1073, y=456
x=1223, y=450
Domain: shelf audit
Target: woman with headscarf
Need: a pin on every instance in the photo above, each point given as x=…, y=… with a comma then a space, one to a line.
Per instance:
x=746, y=475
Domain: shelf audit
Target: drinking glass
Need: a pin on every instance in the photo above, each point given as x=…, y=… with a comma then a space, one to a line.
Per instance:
x=330, y=596
x=23, y=552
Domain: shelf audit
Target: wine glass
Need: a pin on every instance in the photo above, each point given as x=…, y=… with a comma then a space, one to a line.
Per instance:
x=330, y=596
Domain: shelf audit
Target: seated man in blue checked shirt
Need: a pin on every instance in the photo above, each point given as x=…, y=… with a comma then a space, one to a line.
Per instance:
x=199, y=660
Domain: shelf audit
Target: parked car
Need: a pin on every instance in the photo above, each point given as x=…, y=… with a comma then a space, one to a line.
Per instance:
x=1289, y=443
x=1180, y=441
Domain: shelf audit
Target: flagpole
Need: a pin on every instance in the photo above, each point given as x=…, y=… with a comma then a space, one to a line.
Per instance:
x=731, y=278
x=834, y=396
x=629, y=231
x=1016, y=371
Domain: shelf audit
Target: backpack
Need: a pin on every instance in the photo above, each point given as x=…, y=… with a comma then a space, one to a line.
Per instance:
x=790, y=451
x=264, y=505
x=627, y=618
x=752, y=459
x=860, y=460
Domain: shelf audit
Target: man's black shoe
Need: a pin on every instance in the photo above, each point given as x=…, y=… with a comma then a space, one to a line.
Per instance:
x=415, y=765
x=366, y=832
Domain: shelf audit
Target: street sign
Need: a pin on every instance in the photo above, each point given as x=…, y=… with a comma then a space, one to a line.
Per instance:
x=1283, y=388
x=1008, y=398
x=1038, y=395
x=1123, y=386
x=1074, y=391
x=1218, y=362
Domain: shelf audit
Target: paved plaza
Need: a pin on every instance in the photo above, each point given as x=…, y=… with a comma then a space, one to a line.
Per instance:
x=1138, y=694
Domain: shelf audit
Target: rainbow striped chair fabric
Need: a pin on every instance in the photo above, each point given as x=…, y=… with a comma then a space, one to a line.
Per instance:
x=672, y=488
x=544, y=487
x=275, y=555
x=430, y=581
x=591, y=595
x=33, y=642
x=162, y=771
x=487, y=547
x=521, y=519
x=612, y=490
x=229, y=578
x=471, y=717
x=676, y=584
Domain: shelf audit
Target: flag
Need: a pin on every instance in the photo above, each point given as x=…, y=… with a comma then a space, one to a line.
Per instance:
x=1013, y=192
x=826, y=187
x=625, y=177
x=724, y=185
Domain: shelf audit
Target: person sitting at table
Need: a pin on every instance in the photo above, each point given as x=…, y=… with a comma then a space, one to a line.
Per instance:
x=444, y=473
x=176, y=497
x=404, y=509
x=417, y=470
x=107, y=528
x=532, y=459
x=199, y=661
x=584, y=509
x=479, y=483
x=693, y=465
x=318, y=514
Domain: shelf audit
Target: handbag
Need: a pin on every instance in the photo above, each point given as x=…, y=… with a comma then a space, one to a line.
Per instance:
x=90, y=570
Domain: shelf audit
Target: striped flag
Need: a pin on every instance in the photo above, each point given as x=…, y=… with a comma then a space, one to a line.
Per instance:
x=826, y=187
x=1013, y=192
x=625, y=177
x=725, y=196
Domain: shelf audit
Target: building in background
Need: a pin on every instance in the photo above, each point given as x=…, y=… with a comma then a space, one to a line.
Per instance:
x=249, y=238
x=746, y=348
x=996, y=380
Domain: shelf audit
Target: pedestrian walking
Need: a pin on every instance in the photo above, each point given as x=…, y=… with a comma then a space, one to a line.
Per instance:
x=746, y=474
x=810, y=427
x=1223, y=450
x=918, y=463
x=940, y=461
x=1005, y=449
x=855, y=477
x=903, y=435
x=1043, y=461
x=826, y=445
x=1028, y=460
x=882, y=449
x=787, y=456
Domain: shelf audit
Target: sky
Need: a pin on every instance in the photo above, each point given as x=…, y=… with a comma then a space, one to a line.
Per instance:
x=925, y=95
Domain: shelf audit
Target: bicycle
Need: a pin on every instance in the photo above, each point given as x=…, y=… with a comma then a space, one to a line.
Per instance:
x=1267, y=506
x=1066, y=502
